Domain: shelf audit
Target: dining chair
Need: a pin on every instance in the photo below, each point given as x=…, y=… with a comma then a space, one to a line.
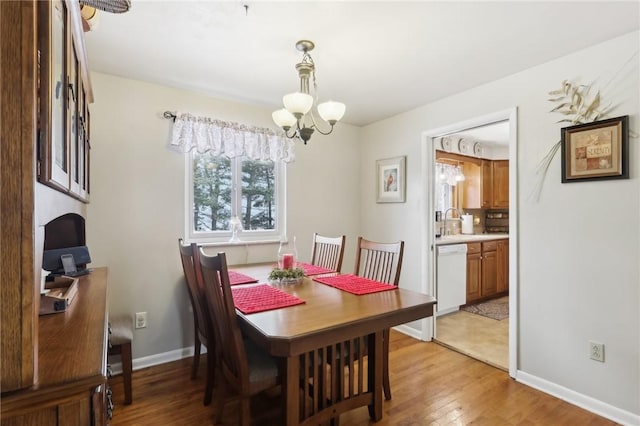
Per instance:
x=328, y=252
x=203, y=328
x=245, y=367
x=381, y=262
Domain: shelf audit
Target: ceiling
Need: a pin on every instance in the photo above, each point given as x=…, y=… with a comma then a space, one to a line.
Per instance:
x=380, y=58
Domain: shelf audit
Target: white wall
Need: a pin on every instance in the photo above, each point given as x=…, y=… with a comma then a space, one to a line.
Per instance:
x=136, y=212
x=579, y=245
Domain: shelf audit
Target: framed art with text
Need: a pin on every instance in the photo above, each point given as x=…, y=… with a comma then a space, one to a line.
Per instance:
x=596, y=151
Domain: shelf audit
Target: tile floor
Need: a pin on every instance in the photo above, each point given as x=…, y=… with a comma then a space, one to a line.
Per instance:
x=482, y=338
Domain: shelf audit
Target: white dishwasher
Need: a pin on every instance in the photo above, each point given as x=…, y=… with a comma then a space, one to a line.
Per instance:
x=451, y=278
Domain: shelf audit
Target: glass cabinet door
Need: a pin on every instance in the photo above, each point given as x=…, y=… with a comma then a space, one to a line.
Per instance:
x=53, y=152
x=64, y=92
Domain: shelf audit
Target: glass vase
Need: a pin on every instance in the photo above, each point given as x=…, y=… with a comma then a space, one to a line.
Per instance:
x=287, y=254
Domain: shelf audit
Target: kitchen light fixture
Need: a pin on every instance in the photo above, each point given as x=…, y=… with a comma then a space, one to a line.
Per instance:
x=297, y=114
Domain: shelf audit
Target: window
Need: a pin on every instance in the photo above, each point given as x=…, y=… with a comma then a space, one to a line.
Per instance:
x=220, y=188
x=447, y=176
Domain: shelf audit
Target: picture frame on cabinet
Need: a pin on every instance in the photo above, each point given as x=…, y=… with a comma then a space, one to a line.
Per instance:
x=391, y=180
x=595, y=151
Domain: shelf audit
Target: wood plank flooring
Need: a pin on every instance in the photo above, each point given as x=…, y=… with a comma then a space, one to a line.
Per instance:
x=431, y=385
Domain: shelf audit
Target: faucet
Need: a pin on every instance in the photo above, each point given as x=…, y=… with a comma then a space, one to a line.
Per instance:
x=444, y=218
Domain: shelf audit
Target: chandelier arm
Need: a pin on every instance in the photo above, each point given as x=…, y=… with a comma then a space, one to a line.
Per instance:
x=315, y=125
x=294, y=134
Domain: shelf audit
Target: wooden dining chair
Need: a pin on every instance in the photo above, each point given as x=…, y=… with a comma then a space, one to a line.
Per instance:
x=381, y=262
x=203, y=328
x=328, y=252
x=245, y=367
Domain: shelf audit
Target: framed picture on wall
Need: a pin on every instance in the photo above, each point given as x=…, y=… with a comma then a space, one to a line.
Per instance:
x=596, y=151
x=390, y=175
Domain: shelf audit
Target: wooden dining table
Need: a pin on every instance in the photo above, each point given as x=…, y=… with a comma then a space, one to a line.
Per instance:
x=310, y=338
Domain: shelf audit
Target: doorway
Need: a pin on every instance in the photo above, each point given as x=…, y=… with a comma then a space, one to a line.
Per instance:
x=454, y=327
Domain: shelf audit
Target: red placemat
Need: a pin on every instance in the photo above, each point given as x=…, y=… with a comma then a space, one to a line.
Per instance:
x=310, y=269
x=238, y=278
x=355, y=284
x=262, y=297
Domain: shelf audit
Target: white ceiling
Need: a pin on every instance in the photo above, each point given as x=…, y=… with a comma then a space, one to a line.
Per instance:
x=380, y=58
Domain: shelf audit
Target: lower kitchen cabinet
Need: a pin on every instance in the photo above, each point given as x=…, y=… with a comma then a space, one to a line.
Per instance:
x=474, y=271
x=486, y=269
x=503, y=265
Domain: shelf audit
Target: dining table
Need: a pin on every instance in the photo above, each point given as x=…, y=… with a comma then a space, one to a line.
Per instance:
x=318, y=342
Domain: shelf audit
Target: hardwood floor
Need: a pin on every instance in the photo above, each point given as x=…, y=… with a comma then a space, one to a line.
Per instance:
x=431, y=385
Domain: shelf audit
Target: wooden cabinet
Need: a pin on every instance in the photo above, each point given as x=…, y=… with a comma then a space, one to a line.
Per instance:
x=503, y=266
x=17, y=133
x=489, y=269
x=486, y=200
x=30, y=395
x=474, y=271
x=64, y=94
x=71, y=368
x=500, y=184
x=485, y=270
x=486, y=184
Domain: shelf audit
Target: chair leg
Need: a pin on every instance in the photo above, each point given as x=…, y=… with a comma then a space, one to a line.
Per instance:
x=126, y=372
x=219, y=402
x=386, y=385
x=211, y=376
x=196, y=356
x=245, y=411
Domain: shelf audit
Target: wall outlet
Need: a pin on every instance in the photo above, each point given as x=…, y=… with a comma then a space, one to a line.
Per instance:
x=596, y=351
x=141, y=319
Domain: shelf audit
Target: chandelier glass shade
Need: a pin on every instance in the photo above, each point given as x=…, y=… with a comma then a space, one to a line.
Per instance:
x=297, y=118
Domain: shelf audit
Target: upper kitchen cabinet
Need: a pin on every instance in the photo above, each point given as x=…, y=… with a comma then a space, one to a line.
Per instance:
x=486, y=184
x=500, y=171
x=64, y=95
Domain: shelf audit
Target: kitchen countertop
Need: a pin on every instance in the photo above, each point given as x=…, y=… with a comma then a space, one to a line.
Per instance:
x=468, y=238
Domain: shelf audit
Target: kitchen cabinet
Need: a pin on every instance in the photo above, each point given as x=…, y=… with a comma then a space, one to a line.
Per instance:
x=474, y=271
x=503, y=266
x=485, y=269
x=500, y=184
x=486, y=184
x=489, y=285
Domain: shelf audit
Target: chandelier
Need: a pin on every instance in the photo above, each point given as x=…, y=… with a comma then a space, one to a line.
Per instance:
x=297, y=114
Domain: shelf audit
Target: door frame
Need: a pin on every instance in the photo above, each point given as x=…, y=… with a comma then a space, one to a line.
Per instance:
x=428, y=231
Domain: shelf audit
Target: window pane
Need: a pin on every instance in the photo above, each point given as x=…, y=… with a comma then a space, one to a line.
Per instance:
x=258, y=195
x=211, y=192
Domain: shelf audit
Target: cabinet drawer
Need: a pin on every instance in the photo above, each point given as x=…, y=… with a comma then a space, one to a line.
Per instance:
x=473, y=248
x=490, y=246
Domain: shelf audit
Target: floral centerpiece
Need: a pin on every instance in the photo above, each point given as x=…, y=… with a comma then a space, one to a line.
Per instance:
x=286, y=276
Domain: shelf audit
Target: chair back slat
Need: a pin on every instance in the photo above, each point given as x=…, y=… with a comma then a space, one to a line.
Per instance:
x=379, y=261
x=222, y=310
x=195, y=286
x=328, y=252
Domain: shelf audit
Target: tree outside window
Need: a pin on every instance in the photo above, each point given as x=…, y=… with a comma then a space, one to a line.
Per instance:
x=222, y=188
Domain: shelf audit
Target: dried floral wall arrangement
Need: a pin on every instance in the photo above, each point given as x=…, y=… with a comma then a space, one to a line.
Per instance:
x=579, y=104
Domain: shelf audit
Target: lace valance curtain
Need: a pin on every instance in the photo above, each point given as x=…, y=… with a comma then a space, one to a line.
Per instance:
x=228, y=139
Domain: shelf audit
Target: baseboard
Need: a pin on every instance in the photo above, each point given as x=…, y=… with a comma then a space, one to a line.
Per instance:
x=588, y=403
x=151, y=360
x=409, y=331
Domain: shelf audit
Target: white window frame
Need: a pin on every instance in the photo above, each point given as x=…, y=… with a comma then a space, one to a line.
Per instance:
x=246, y=236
